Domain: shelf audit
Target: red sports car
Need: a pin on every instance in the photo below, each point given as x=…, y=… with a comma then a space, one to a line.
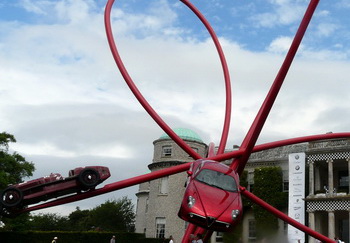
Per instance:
x=212, y=199
x=80, y=179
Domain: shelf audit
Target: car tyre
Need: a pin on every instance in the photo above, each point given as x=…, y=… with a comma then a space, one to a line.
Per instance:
x=89, y=178
x=11, y=197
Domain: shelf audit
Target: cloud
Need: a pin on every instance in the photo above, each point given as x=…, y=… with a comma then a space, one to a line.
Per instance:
x=282, y=12
x=35, y=7
x=343, y=4
x=280, y=45
x=326, y=29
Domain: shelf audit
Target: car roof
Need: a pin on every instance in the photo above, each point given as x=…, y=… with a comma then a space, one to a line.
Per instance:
x=217, y=166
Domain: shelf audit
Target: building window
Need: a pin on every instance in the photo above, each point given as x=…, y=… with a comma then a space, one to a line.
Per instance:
x=146, y=208
x=250, y=181
x=166, y=151
x=160, y=228
x=343, y=181
x=285, y=175
x=219, y=237
x=186, y=224
x=251, y=229
x=194, y=149
x=163, y=185
x=285, y=228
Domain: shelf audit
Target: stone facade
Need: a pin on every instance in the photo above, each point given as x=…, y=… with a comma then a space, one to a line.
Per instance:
x=328, y=202
x=159, y=200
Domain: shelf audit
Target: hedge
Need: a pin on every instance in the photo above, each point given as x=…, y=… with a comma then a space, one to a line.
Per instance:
x=73, y=237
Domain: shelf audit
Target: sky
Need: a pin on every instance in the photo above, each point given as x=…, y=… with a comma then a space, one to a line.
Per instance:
x=66, y=103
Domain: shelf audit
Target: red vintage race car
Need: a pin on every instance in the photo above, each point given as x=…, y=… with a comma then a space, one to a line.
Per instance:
x=212, y=198
x=79, y=179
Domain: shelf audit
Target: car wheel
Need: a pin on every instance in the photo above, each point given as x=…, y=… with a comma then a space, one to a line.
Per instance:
x=89, y=178
x=11, y=197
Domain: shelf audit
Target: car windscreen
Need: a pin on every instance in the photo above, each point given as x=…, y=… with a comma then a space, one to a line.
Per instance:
x=217, y=179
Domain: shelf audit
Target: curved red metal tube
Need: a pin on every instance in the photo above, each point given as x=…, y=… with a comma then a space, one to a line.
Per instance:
x=255, y=129
x=191, y=228
x=283, y=216
x=144, y=102
x=211, y=150
x=136, y=91
x=271, y=145
x=113, y=187
x=226, y=72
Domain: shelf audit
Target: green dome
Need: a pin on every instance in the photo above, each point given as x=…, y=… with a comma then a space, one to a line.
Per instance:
x=184, y=133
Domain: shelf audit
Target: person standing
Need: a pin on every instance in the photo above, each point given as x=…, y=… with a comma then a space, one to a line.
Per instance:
x=338, y=240
x=112, y=240
x=171, y=239
x=199, y=238
x=192, y=238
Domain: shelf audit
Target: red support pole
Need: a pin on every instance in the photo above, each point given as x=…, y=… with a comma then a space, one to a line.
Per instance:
x=283, y=216
x=112, y=187
x=276, y=144
x=226, y=72
x=148, y=108
x=207, y=236
x=201, y=231
x=177, y=169
x=255, y=129
x=191, y=228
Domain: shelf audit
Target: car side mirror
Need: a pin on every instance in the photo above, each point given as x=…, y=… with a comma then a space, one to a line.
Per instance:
x=189, y=173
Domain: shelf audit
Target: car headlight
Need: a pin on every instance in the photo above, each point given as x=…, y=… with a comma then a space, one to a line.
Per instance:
x=235, y=214
x=191, y=201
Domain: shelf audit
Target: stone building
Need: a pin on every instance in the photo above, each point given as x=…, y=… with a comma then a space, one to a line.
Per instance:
x=327, y=199
x=328, y=202
x=158, y=201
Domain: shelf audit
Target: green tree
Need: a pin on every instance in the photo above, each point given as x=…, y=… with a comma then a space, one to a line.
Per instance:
x=268, y=185
x=236, y=234
x=79, y=220
x=114, y=215
x=49, y=222
x=20, y=223
x=13, y=167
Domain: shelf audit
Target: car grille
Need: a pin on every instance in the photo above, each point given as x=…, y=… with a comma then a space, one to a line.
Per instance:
x=208, y=222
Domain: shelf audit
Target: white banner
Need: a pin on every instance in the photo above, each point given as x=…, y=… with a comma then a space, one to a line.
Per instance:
x=296, y=205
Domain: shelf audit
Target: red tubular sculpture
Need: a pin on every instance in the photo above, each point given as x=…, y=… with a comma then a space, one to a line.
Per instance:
x=240, y=156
